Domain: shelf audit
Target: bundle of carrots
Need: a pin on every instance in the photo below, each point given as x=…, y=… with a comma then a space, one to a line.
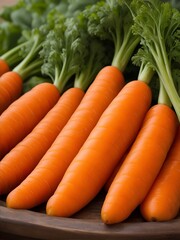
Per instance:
x=85, y=116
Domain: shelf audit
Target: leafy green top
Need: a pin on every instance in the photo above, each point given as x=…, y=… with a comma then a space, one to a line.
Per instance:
x=112, y=20
x=67, y=51
x=158, y=25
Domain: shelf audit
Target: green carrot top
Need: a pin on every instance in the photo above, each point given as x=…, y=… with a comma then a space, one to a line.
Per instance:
x=25, y=14
x=23, y=26
x=28, y=22
x=157, y=24
x=69, y=52
x=112, y=20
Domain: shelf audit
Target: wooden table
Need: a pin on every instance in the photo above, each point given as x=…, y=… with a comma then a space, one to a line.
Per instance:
x=85, y=225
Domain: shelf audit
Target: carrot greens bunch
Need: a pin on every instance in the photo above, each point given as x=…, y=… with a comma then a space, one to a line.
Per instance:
x=24, y=60
x=158, y=25
x=69, y=53
x=25, y=14
x=112, y=21
x=17, y=29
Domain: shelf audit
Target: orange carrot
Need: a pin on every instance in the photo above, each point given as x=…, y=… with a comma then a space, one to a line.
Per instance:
x=24, y=61
x=10, y=90
x=162, y=203
x=106, y=144
x=12, y=81
x=44, y=179
x=4, y=67
x=142, y=164
x=22, y=159
x=23, y=114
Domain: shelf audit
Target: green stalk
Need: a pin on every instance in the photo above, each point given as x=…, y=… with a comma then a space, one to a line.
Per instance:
x=171, y=91
x=32, y=69
x=152, y=23
x=86, y=76
x=145, y=73
x=12, y=56
x=96, y=60
x=165, y=76
x=65, y=74
x=125, y=52
x=125, y=42
x=163, y=97
x=33, y=53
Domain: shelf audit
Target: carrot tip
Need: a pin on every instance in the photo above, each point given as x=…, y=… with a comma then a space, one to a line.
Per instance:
x=105, y=218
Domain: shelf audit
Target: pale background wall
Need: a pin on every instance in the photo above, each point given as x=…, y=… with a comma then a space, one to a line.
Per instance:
x=7, y=2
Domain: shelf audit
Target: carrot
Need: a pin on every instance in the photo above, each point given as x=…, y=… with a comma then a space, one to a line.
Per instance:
x=10, y=90
x=102, y=150
x=12, y=83
x=24, y=61
x=44, y=179
x=142, y=164
x=4, y=67
x=24, y=113
x=22, y=159
x=162, y=203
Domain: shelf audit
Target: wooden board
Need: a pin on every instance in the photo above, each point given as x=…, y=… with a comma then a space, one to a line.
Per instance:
x=35, y=224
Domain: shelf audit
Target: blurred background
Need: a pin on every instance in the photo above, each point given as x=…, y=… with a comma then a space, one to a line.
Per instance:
x=7, y=2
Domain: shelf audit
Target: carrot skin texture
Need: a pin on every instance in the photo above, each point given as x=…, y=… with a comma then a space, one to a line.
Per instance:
x=162, y=203
x=102, y=150
x=23, y=158
x=23, y=115
x=4, y=67
x=142, y=164
x=54, y=163
x=10, y=90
